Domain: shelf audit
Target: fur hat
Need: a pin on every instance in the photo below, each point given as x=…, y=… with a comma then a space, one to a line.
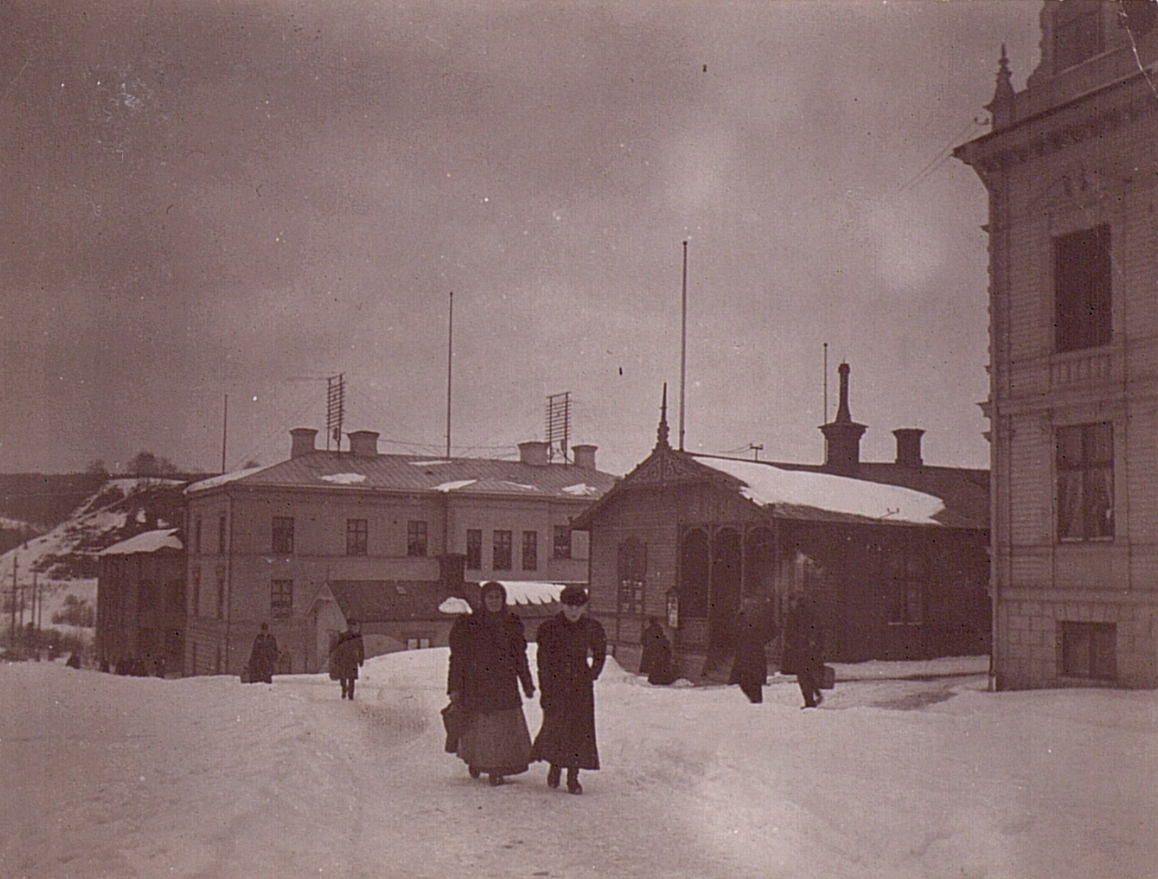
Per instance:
x=573, y=595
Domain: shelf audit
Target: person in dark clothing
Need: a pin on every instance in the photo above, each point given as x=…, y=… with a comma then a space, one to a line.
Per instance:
x=488, y=662
x=804, y=648
x=651, y=638
x=263, y=657
x=751, y=629
x=572, y=650
x=347, y=657
x=662, y=671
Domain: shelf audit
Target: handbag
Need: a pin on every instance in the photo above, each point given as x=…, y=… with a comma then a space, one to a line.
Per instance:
x=454, y=722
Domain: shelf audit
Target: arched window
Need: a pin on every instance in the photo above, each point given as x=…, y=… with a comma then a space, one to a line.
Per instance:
x=724, y=598
x=693, y=594
x=632, y=569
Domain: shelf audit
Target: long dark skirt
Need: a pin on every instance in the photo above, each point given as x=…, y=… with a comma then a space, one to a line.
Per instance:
x=567, y=738
x=498, y=742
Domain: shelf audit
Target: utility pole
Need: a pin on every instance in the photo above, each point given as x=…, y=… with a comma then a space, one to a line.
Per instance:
x=12, y=632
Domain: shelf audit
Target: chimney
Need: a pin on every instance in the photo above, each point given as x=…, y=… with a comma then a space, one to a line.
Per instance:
x=909, y=446
x=302, y=441
x=842, y=434
x=533, y=452
x=584, y=456
x=364, y=443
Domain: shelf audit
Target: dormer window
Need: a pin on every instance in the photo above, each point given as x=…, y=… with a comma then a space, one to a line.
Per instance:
x=1077, y=33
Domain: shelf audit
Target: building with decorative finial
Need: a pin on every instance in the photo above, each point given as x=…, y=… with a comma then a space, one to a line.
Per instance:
x=895, y=554
x=1070, y=166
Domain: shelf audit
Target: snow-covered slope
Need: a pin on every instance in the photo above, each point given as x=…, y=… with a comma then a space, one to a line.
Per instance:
x=64, y=561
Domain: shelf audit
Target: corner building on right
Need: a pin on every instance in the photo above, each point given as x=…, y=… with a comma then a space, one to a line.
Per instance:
x=1070, y=168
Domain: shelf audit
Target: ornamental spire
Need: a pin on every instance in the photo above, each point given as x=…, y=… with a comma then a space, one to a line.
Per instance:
x=662, y=431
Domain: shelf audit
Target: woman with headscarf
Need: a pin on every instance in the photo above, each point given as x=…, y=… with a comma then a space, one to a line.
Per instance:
x=571, y=653
x=488, y=661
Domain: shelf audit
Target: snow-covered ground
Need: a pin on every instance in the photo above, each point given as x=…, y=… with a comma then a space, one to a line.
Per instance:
x=105, y=776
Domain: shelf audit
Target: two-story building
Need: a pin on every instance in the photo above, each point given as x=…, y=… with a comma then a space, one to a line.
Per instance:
x=293, y=542
x=1071, y=169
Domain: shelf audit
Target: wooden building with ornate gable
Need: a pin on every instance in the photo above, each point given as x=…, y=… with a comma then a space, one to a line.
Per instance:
x=894, y=553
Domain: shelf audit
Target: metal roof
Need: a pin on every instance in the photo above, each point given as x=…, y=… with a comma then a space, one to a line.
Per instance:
x=345, y=471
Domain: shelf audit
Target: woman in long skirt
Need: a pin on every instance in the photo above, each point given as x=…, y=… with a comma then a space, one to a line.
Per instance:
x=572, y=650
x=488, y=661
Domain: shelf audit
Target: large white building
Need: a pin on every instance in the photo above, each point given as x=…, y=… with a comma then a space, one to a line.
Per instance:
x=289, y=543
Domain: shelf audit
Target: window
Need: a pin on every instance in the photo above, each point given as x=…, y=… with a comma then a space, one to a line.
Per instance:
x=474, y=549
x=417, y=643
x=562, y=542
x=356, y=536
x=416, y=538
x=220, y=594
x=1085, y=482
x=221, y=535
x=283, y=535
x=197, y=536
x=196, y=607
x=906, y=574
x=502, y=551
x=1087, y=650
x=1077, y=33
x=530, y=550
x=1081, y=265
x=281, y=599
x=632, y=570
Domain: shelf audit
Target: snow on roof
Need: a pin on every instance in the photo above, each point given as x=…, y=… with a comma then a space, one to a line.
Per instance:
x=766, y=484
x=455, y=605
x=429, y=463
x=580, y=489
x=521, y=486
x=344, y=478
x=531, y=591
x=149, y=541
x=223, y=479
x=456, y=484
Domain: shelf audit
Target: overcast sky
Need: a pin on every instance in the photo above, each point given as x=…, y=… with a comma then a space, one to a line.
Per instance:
x=204, y=199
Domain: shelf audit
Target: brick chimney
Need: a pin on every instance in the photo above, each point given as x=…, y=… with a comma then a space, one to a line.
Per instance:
x=909, y=446
x=533, y=452
x=364, y=443
x=584, y=456
x=302, y=441
x=842, y=434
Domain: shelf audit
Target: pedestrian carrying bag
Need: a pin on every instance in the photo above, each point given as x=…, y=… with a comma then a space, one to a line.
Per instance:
x=828, y=678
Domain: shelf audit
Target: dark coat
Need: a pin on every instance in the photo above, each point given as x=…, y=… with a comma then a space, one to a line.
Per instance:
x=653, y=640
x=751, y=630
x=263, y=657
x=567, y=686
x=347, y=655
x=488, y=661
x=803, y=642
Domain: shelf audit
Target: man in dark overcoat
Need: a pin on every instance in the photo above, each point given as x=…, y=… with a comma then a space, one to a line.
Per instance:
x=752, y=629
x=347, y=657
x=571, y=653
x=804, y=648
x=263, y=657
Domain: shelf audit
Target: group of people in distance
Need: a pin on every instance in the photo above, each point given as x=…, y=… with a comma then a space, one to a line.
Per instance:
x=488, y=664
x=753, y=629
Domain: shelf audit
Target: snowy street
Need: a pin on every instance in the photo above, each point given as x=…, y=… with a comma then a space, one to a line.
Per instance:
x=107, y=776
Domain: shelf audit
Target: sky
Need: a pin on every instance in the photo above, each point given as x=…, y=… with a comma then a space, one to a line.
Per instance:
x=238, y=200
x=891, y=778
